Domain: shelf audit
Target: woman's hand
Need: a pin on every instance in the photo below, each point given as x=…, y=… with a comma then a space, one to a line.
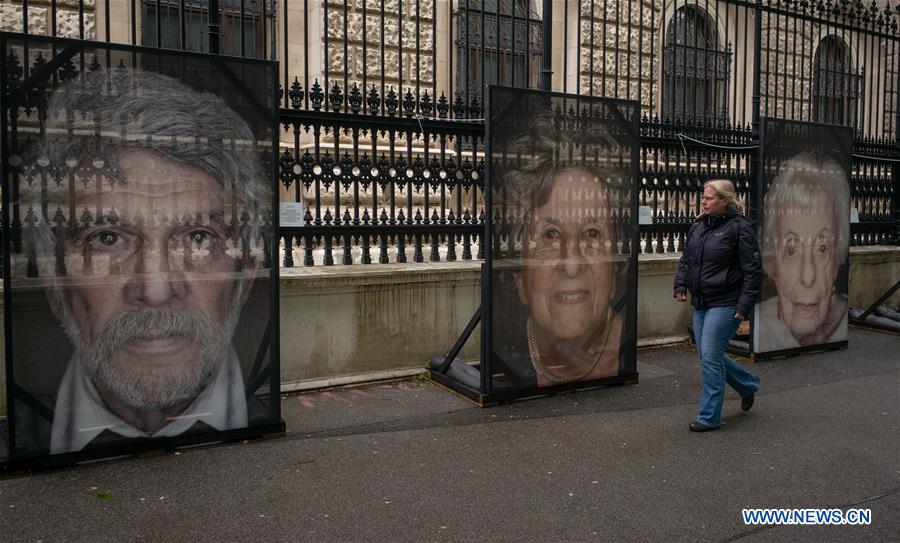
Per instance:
x=680, y=296
x=740, y=316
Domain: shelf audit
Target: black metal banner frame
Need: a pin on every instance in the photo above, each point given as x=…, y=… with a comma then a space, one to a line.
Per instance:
x=476, y=382
x=841, y=136
x=262, y=383
x=861, y=319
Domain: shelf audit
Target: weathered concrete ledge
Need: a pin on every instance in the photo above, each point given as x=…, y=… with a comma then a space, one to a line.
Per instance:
x=344, y=320
x=378, y=320
x=347, y=324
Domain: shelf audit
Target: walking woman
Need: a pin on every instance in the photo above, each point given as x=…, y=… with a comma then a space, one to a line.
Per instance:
x=721, y=269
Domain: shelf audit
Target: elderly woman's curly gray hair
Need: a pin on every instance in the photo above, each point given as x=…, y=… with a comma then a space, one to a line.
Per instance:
x=535, y=158
x=803, y=184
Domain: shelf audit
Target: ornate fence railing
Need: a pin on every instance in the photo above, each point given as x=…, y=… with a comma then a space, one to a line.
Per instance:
x=407, y=188
x=382, y=190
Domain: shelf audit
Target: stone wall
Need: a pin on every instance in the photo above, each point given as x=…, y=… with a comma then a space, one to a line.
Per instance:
x=628, y=37
x=788, y=70
x=618, y=37
x=40, y=20
x=603, y=36
x=404, y=22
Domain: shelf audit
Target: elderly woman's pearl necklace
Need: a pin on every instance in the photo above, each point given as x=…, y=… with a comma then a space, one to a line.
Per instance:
x=542, y=370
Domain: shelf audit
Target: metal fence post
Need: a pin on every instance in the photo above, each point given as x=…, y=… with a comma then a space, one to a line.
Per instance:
x=546, y=46
x=755, y=165
x=896, y=204
x=895, y=176
x=214, y=26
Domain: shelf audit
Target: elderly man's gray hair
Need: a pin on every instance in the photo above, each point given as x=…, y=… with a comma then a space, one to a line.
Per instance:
x=805, y=183
x=88, y=119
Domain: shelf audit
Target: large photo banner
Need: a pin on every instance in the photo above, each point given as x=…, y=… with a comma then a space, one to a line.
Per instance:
x=804, y=222
x=140, y=291
x=563, y=264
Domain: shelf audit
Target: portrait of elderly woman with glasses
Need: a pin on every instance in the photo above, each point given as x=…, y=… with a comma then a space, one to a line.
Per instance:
x=805, y=240
x=567, y=282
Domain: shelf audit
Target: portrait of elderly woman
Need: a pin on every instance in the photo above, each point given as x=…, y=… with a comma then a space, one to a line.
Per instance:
x=805, y=240
x=559, y=309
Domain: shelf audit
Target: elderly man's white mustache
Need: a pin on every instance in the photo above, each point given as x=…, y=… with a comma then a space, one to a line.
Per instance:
x=156, y=388
x=151, y=387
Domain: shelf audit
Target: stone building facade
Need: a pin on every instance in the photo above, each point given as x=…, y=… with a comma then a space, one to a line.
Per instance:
x=635, y=49
x=40, y=18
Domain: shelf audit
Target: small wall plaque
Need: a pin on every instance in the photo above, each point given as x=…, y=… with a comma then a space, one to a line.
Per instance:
x=291, y=214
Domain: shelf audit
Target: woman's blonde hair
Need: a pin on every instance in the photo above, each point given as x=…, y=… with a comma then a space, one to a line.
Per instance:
x=725, y=189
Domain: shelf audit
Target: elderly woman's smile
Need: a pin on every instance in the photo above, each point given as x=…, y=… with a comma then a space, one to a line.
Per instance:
x=568, y=297
x=568, y=276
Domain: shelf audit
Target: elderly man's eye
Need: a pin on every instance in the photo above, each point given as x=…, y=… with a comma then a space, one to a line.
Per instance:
x=823, y=248
x=107, y=240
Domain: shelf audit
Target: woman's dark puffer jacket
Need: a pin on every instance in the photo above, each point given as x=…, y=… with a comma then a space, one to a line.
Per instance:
x=720, y=265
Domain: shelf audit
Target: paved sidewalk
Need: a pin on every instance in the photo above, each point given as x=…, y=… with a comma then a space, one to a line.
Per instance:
x=411, y=462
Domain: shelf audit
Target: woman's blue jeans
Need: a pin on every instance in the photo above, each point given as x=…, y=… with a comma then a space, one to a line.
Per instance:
x=713, y=328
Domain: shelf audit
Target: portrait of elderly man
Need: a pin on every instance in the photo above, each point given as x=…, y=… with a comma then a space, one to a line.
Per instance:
x=805, y=241
x=568, y=283
x=158, y=250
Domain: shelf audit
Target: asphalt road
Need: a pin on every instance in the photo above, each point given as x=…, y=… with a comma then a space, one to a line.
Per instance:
x=408, y=461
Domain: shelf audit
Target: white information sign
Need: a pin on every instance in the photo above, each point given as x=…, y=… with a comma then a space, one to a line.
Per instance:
x=291, y=214
x=645, y=215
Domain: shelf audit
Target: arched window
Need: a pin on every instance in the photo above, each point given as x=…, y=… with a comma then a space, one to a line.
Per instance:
x=835, y=85
x=514, y=59
x=695, y=67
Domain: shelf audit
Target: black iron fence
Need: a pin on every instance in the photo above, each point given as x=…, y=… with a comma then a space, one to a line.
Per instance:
x=382, y=102
x=401, y=183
